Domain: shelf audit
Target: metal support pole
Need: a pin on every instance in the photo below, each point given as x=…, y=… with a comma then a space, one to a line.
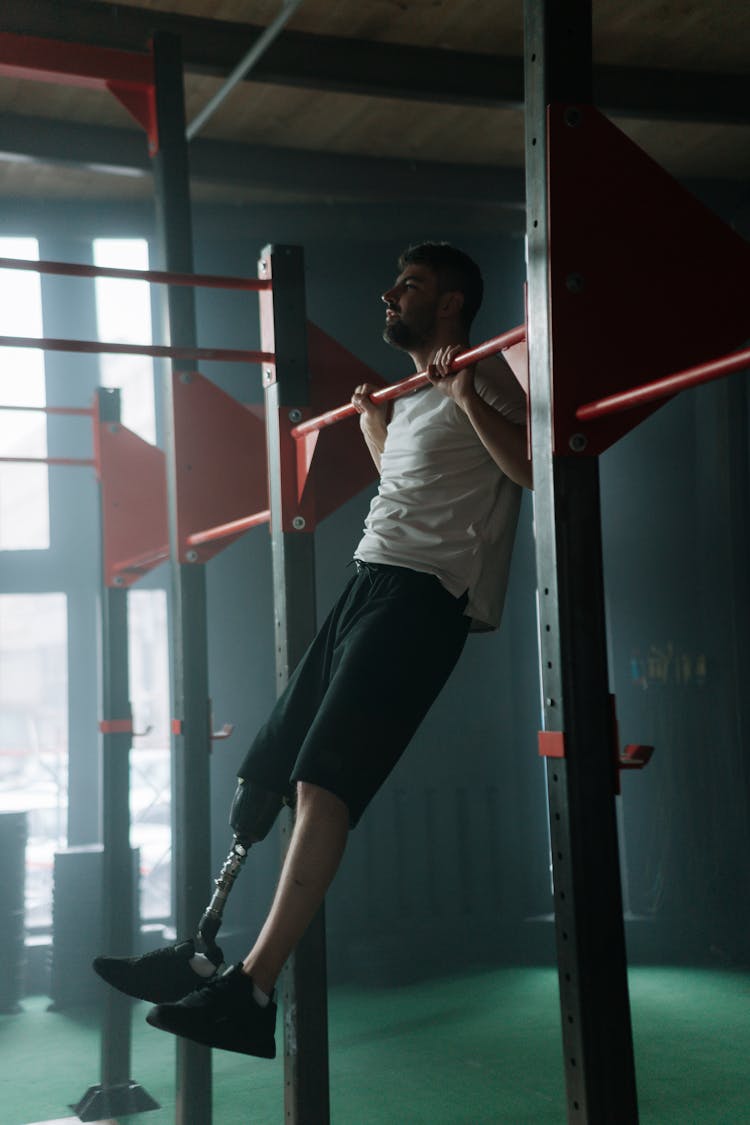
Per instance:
x=117, y=1094
x=597, y=1037
x=192, y=729
x=283, y=331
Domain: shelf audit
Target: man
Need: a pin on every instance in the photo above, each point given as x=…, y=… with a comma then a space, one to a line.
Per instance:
x=433, y=559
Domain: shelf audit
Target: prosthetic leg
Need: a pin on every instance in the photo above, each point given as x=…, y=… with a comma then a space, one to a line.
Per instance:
x=251, y=818
x=166, y=975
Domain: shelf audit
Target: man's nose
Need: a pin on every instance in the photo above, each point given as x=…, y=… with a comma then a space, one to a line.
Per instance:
x=389, y=297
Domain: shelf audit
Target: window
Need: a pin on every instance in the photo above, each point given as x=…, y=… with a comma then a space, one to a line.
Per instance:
x=34, y=734
x=123, y=312
x=24, y=494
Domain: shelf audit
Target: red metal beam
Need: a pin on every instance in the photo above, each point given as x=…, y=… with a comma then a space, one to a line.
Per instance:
x=414, y=382
x=71, y=64
x=225, y=530
x=158, y=351
x=128, y=75
x=156, y=277
x=664, y=388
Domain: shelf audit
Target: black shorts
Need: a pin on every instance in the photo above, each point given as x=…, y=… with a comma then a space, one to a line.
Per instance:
x=362, y=688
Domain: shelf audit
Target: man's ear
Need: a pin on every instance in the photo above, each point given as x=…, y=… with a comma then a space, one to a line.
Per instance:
x=451, y=303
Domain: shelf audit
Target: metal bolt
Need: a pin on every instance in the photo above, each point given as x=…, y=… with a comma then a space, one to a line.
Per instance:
x=119, y=580
x=295, y=416
x=114, y=428
x=192, y=556
x=573, y=117
x=298, y=523
x=578, y=442
x=574, y=283
x=186, y=377
x=549, y=702
x=267, y=375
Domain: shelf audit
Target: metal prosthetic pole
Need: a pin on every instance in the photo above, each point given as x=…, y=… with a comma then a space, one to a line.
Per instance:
x=252, y=815
x=209, y=925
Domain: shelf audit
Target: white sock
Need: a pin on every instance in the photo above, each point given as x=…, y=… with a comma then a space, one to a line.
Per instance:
x=259, y=997
x=202, y=965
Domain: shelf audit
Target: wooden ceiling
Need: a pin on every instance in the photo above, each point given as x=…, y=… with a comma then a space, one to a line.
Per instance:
x=382, y=85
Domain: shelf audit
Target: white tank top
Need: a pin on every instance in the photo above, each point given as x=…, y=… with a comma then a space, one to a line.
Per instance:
x=443, y=506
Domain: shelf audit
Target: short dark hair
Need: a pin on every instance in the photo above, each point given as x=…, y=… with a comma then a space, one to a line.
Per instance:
x=455, y=271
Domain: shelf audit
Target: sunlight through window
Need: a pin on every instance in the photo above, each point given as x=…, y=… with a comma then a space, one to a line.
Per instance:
x=24, y=493
x=34, y=734
x=123, y=312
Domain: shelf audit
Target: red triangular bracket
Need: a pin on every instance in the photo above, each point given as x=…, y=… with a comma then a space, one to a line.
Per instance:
x=140, y=102
x=645, y=280
x=134, y=503
x=222, y=473
x=337, y=466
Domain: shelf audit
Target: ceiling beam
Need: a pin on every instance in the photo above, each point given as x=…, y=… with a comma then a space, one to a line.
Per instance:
x=357, y=66
x=318, y=175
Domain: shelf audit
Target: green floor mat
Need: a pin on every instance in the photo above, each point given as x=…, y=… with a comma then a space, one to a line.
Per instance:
x=476, y=1049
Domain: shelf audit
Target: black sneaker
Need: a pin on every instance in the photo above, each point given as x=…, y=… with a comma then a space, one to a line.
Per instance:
x=223, y=1014
x=160, y=976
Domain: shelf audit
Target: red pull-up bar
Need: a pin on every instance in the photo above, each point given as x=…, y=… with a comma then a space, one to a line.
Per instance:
x=155, y=277
x=665, y=387
x=157, y=351
x=414, y=382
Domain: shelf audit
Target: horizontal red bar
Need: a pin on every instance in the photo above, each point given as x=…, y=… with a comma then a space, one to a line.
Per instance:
x=72, y=64
x=664, y=388
x=83, y=410
x=157, y=277
x=414, y=382
x=143, y=562
x=224, y=530
x=116, y=726
x=46, y=461
x=157, y=351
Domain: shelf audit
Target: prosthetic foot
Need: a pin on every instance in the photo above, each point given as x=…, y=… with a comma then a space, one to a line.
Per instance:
x=162, y=976
x=166, y=975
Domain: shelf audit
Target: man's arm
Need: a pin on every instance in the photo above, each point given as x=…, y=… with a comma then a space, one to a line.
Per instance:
x=505, y=441
x=372, y=420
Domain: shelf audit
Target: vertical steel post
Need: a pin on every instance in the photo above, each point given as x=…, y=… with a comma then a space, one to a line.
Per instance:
x=191, y=742
x=117, y=1094
x=284, y=331
x=597, y=1036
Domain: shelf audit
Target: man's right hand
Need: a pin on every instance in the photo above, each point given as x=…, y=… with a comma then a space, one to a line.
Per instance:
x=372, y=419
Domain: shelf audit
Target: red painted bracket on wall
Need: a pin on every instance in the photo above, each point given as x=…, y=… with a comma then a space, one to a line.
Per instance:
x=128, y=75
x=134, y=502
x=644, y=279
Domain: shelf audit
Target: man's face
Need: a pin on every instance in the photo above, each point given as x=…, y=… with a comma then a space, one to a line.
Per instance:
x=411, y=308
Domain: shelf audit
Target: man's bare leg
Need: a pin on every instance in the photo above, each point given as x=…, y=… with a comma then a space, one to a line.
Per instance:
x=315, y=851
x=228, y=1013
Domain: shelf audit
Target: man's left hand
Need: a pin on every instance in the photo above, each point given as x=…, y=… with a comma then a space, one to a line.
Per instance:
x=456, y=385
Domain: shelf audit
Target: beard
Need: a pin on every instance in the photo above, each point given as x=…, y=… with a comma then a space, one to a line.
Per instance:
x=405, y=336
